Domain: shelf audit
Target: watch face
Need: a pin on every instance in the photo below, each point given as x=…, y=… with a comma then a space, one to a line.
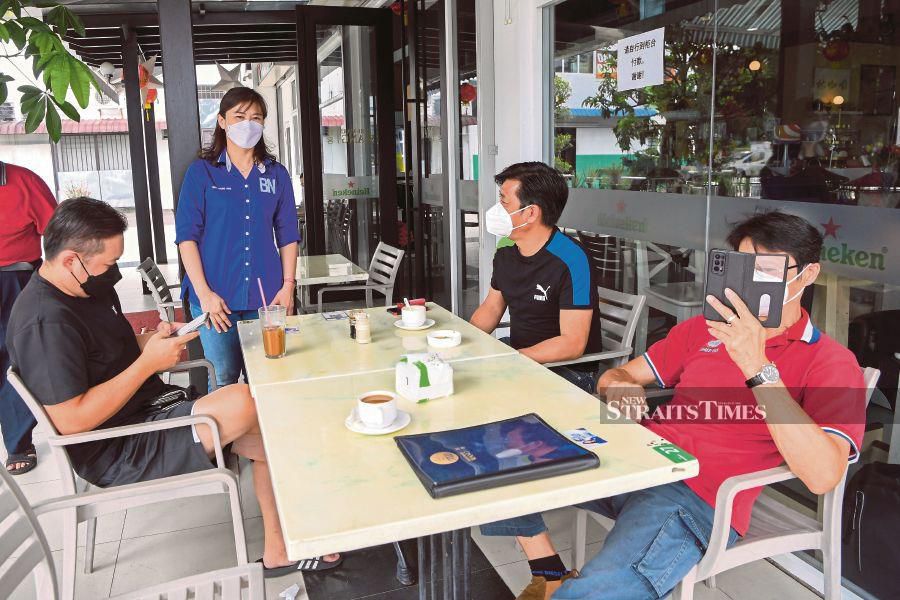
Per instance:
x=770, y=373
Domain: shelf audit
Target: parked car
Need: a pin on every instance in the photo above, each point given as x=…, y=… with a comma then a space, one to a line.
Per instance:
x=749, y=162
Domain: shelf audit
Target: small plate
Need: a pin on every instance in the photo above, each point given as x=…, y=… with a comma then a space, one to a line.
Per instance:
x=428, y=323
x=444, y=338
x=354, y=424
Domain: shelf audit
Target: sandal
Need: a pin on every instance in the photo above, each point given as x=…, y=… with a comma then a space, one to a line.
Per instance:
x=27, y=458
x=307, y=565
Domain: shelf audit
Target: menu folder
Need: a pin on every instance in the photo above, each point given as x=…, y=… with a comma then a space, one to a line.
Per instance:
x=515, y=450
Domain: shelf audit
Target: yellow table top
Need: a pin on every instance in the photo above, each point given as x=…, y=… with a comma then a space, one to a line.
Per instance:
x=338, y=491
x=324, y=348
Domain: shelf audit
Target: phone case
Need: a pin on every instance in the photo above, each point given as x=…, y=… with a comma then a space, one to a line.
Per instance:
x=731, y=269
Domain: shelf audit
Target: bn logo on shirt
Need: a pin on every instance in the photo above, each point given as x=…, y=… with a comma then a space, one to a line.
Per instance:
x=266, y=185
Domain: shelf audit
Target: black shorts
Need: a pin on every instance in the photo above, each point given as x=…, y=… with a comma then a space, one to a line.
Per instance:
x=155, y=454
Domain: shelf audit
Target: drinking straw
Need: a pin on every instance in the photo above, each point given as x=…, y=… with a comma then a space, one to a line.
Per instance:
x=406, y=301
x=262, y=293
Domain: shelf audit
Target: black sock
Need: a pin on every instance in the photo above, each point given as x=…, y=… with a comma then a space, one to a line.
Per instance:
x=550, y=568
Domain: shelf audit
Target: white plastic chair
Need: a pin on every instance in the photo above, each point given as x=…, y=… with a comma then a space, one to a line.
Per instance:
x=160, y=290
x=619, y=315
x=135, y=495
x=774, y=527
x=24, y=549
x=382, y=275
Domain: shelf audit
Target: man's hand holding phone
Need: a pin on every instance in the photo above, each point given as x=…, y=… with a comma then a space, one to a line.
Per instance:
x=163, y=350
x=742, y=334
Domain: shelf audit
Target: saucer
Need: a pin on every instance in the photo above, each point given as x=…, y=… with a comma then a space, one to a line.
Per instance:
x=354, y=424
x=428, y=323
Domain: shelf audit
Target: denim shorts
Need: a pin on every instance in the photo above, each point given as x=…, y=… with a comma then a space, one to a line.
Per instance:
x=659, y=535
x=223, y=350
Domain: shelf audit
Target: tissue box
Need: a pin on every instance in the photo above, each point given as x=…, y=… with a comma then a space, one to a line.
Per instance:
x=421, y=377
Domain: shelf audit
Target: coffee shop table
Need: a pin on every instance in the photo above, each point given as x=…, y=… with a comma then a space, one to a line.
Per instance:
x=339, y=491
x=323, y=348
x=321, y=269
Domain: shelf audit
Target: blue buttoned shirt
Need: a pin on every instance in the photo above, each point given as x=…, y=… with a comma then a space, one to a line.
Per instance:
x=239, y=225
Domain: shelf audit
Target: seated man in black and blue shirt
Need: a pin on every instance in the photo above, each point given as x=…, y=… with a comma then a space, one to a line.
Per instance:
x=545, y=279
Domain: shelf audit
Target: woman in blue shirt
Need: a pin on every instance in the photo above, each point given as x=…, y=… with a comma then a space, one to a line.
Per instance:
x=235, y=200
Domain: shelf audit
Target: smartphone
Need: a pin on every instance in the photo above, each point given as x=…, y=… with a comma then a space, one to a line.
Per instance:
x=193, y=325
x=758, y=279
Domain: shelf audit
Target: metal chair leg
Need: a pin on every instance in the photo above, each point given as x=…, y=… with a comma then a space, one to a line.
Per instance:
x=89, y=540
x=404, y=574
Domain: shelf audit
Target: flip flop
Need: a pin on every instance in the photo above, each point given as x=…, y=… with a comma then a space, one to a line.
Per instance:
x=28, y=458
x=308, y=565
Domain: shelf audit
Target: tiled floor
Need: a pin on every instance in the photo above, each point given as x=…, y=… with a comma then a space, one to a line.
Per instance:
x=167, y=541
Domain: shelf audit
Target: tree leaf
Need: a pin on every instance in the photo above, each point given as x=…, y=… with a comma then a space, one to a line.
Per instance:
x=16, y=34
x=58, y=69
x=54, y=125
x=35, y=116
x=4, y=91
x=4, y=33
x=69, y=110
x=81, y=79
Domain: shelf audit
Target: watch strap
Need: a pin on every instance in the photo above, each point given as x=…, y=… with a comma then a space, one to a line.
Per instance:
x=755, y=381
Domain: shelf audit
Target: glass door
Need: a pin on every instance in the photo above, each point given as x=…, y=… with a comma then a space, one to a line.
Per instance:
x=347, y=131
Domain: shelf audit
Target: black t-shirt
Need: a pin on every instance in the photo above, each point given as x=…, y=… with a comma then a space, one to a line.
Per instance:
x=62, y=346
x=535, y=288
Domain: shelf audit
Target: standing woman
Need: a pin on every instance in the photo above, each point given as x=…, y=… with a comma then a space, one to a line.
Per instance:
x=234, y=201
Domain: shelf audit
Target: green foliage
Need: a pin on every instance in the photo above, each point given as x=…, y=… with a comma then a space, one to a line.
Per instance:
x=743, y=98
x=55, y=70
x=563, y=141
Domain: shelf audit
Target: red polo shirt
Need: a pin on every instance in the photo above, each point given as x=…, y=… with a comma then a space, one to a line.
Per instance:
x=820, y=374
x=26, y=204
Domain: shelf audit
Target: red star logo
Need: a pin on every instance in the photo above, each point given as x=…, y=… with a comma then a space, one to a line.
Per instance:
x=831, y=228
x=351, y=185
x=620, y=206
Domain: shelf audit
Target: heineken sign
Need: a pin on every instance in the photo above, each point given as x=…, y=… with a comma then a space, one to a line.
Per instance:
x=343, y=187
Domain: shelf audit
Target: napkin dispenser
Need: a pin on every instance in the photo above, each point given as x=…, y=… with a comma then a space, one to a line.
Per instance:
x=421, y=377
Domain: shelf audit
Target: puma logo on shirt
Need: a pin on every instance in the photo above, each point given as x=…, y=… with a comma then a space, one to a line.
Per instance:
x=542, y=297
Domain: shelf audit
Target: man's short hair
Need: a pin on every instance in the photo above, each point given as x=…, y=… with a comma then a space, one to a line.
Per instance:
x=82, y=224
x=539, y=184
x=780, y=232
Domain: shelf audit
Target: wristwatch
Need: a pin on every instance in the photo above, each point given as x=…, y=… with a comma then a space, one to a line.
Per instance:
x=768, y=374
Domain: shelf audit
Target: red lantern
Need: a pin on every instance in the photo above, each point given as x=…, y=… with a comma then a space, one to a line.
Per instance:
x=395, y=8
x=151, y=96
x=836, y=50
x=467, y=93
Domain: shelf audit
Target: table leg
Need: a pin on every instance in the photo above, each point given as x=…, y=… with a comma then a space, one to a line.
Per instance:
x=448, y=558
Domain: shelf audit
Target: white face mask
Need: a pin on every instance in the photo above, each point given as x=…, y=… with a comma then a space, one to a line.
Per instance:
x=499, y=222
x=767, y=277
x=245, y=134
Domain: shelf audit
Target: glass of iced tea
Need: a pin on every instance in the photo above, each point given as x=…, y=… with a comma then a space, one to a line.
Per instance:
x=271, y=322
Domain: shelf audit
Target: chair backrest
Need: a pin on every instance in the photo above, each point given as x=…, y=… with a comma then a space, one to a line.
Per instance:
x=23, y=545
x=151, y=274
x=604, y=253
x=64, y=465
x=619, y=314
x=385, y=264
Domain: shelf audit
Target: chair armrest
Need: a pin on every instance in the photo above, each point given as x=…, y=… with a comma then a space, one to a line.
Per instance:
x=197, y=363
x=126, y=430
x=174, y=484
x=725, y=504
x=173, y=304
x=592, y=357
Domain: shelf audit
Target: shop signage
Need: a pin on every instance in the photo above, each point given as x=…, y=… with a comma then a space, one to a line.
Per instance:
x=829, y=83
x=639, y=61
x=342, y=187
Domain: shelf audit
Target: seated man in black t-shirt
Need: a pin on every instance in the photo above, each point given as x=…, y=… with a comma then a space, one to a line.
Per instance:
x=545, y=278
x=78, y=355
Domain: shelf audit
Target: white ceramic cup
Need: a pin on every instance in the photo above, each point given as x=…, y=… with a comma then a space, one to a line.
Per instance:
x=377, y=415
x=413, y=316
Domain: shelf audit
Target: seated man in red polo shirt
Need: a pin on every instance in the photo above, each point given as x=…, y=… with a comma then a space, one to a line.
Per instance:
x=801, y=400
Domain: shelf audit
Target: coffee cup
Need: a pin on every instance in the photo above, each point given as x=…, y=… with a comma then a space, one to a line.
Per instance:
x=377, y=409
x=413, y=316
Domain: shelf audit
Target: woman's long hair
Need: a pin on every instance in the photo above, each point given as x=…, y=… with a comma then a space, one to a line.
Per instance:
x=240, y=96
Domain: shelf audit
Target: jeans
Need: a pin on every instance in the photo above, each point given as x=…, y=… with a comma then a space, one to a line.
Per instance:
x=15, y=417
x=223, y=350
x=586, y=380
x=659, y=535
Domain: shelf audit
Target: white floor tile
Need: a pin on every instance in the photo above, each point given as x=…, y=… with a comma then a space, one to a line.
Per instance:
x=176, y=515
x=165, y=557
x=249, y=504
x=95, y=585
x=109, y=527
x=761, y=580
x=46, y=468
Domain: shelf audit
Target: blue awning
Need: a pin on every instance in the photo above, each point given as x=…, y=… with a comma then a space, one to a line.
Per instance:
x=583, y=112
